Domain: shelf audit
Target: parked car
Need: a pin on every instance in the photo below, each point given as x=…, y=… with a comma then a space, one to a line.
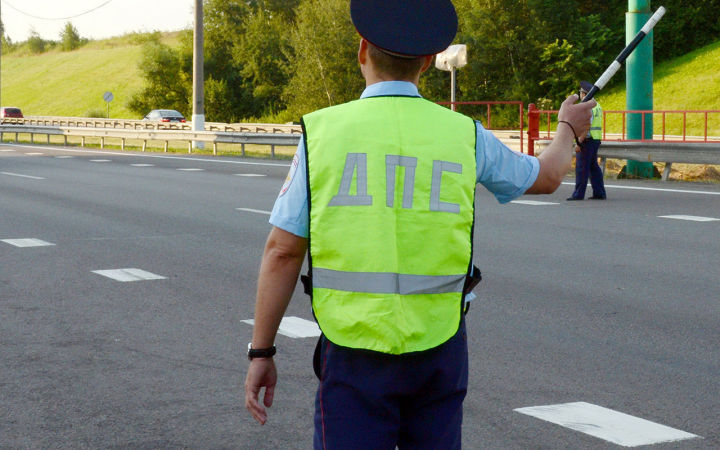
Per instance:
x=165, y=115
x=10, y=112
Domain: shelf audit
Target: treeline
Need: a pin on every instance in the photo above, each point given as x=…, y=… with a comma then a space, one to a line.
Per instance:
x=274, y=60
x=69, y=40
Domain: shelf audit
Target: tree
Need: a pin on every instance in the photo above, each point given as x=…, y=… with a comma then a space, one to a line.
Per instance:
x=324, y=59
x=35, y=43
x=167, y=85
x=69, y=38
x=5, y=41
x=262, y=58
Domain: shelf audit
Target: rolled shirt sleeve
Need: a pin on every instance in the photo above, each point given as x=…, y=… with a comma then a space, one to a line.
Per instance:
x=290, y=212
x=505, y=173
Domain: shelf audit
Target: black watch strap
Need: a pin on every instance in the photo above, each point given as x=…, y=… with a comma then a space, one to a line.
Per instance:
x=260, y=352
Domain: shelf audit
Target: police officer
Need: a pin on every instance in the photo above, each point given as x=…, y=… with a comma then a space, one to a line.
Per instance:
x=381, y=193
x=586, y=164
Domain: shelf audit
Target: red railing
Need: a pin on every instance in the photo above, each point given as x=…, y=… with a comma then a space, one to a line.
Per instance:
x=678, y=132
x=488, y=125
x=661, y=116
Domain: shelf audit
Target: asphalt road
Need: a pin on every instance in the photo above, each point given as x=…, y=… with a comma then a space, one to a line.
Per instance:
x=607, y=303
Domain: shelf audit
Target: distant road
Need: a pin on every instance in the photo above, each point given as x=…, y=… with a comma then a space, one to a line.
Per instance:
x=125, y=279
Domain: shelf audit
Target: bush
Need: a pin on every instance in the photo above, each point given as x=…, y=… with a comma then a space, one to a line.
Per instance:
x=96, y=113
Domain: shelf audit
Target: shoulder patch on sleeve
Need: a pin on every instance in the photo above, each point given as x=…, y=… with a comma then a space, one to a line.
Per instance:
x=290, y=176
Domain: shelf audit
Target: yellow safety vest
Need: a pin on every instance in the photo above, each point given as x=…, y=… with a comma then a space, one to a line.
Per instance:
x=596, y=125
x=391, y=186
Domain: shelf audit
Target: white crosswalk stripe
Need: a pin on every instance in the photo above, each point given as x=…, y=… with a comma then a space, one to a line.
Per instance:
x=607, y=424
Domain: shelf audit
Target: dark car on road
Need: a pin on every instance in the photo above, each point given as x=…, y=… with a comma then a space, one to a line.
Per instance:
x=8, y=112
x=165, y=115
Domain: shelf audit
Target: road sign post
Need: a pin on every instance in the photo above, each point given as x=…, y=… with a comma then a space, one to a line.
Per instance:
x=108, y=97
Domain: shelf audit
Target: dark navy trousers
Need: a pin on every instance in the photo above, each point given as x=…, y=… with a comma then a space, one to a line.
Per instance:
x=369, y=400
x=586, y=166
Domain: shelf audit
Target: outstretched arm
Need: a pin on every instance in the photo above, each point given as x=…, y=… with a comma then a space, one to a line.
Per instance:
x=281, y=264
x=556, y=159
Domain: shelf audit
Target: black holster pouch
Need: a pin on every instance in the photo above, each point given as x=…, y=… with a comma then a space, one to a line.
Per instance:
x=307, y=284
x=471, y=280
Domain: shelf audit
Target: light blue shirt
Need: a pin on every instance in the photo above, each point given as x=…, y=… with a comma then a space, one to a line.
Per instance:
x=505, y=173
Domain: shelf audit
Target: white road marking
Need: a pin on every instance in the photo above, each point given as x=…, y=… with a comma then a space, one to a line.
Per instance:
x=221, y=161
x=30, y=242
x=34, y=154
x=640, y=188
x=6, y=150
x=192, y=170
x=100, y=160
x=250, y=175
x=604, y=423
x=259, y=211
x=64, y=157
x=295, y=327
x=22, y=176
x=126, y=275
x=533, y=202
x=693, y=218
x=142, y=165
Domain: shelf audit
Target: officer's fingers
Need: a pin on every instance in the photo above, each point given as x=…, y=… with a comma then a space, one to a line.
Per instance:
x=570, y=100
x=269, y=395
x=252, y=405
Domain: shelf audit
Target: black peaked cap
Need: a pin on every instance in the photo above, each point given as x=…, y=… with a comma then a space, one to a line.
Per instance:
x=586, y=86
x=408, y=28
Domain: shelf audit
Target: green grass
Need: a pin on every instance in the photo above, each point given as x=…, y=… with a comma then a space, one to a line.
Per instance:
x=72, y=83
x=689, y=82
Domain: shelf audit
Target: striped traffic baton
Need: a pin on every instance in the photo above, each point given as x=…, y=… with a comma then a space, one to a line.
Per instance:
x=615, y=66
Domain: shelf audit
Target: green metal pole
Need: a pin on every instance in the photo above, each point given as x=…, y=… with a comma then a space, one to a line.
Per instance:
x=639, y=82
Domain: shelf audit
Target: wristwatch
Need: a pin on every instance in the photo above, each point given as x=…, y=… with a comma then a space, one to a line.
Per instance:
x=260, y=352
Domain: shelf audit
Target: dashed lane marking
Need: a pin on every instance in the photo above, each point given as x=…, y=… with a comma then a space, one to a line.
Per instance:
x=64, y=157
x=250, y=175
x=34, y=154
x=142, y=165
x=29, y=242
x=294, y=327
x=220, y=161
x=533, y=202
x=258, y=211
x=100, y=160
x=692, y=218
x=6, y=150
x=192, y=169
x=126, y=275
x=22, y=176
x=606, y=424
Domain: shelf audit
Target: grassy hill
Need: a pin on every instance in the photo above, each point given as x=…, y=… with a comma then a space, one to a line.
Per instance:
x=72, y=83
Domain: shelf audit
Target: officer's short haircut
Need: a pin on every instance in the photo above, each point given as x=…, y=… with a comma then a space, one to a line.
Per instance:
x=394, y=66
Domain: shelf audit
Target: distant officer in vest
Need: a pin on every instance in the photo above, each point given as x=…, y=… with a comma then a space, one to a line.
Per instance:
x=381, y=194
x=586, y=161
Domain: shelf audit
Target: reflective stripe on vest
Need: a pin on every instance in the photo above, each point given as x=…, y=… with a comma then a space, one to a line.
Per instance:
x=596, y=125
x=387, y=283
x=391, y=215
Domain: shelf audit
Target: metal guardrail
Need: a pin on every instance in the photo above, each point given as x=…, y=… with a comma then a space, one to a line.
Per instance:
x=85, y=122
x=212, y=137
x=657, y=151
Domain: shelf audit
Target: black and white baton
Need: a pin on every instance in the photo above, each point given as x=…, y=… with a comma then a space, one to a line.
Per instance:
x=615, y=66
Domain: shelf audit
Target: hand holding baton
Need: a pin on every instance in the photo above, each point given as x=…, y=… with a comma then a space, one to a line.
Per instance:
x=615, y=66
